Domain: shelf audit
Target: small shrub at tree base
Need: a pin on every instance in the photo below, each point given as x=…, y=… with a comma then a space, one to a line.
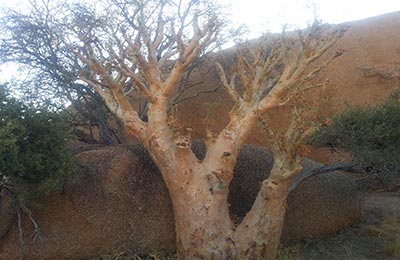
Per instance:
x=371, y=135
x=33, y=155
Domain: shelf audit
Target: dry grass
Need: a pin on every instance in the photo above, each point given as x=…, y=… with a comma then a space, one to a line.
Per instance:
x=386, y=230
x=389, y=230
x=349, y=251
x=289, y=253
x=131, y=256
x=285, y=253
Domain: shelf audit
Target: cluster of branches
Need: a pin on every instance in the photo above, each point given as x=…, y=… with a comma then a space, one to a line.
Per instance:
x=277, y=71
x=138, y=48
x=63, y=46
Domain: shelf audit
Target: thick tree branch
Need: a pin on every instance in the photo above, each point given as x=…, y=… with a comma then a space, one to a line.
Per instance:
x=222, y=151
x=229, y=86
x=119, y=105
x=138, y=82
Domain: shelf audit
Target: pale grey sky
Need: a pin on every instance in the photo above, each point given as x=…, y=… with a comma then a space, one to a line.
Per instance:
x=260, y=15
x=263, y=15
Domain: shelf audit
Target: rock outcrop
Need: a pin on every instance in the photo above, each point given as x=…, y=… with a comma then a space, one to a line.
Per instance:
x=118, y=202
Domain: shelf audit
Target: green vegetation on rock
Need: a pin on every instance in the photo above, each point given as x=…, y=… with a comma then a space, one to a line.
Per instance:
x=371, y=135
x=33, y=155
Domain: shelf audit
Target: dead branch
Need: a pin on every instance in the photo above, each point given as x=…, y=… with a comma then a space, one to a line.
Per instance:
x=21, y=235
x=36, y=231
x=198, y=93
x=374, y=72
x=347, y=167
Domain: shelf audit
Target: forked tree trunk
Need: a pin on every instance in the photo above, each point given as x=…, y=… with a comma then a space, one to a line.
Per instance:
x=203, y=225
x=199, y=193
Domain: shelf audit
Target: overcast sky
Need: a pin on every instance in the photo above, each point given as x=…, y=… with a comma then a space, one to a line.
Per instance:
x=260, y=15
x=265, y=15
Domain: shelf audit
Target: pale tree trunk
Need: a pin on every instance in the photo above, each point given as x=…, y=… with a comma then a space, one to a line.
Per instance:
x=202, y=222
x=199, y=192
x=258, y=235
x=203, y=225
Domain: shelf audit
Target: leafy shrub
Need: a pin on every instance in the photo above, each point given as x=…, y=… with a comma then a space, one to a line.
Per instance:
x=33, y=155
x=371, y=135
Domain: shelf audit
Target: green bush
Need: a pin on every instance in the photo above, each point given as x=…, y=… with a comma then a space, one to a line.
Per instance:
x=371, y=135
x=33, y=155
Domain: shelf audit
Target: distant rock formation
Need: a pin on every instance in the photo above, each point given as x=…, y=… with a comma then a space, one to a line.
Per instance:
x=367, y=72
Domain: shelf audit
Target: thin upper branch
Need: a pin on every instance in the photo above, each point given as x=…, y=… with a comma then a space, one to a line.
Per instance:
x=188, y=54
x=229, y=86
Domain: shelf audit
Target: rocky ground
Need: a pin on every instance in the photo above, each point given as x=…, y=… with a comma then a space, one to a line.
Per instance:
x=376, y=237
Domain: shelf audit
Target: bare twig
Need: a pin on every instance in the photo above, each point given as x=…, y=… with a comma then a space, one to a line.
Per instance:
x=36, y=232
x=199, y=93
x=21, y=235
x=293, y=78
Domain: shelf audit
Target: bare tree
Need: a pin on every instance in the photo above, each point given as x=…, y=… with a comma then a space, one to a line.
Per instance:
x=148, y=46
